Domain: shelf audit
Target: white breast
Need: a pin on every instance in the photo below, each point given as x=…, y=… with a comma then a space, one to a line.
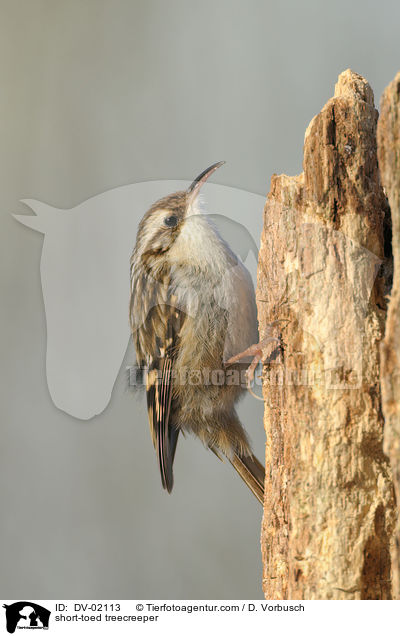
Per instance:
x=204, y=268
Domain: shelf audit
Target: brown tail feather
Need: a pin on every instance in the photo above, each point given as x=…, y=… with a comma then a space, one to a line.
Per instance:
x=252, y=473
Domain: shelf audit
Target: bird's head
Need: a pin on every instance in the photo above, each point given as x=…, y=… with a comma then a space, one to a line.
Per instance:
x=163, y=223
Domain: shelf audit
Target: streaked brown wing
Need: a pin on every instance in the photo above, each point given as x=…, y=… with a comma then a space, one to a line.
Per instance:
x=159, y=389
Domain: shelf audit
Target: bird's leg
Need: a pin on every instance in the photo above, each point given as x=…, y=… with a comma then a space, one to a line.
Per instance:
x=261, y=351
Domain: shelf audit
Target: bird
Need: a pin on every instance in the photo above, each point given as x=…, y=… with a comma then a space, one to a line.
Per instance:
x=192, y=308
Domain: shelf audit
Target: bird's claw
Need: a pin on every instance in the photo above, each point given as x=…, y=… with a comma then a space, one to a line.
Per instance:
x=258, y=352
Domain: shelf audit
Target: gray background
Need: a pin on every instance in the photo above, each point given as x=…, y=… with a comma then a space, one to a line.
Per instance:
x=96, y=94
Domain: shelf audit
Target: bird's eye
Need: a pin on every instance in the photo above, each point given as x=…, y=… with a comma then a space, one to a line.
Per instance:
x=171, y=221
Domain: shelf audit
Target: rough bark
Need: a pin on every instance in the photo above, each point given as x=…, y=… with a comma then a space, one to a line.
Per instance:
x=389, y=164
x=329, y=506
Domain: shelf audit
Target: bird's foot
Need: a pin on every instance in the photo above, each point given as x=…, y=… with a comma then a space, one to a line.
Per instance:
x=261, y=351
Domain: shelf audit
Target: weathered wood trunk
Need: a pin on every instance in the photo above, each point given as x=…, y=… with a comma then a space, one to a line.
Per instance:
x=389, y=164
x=329, y=506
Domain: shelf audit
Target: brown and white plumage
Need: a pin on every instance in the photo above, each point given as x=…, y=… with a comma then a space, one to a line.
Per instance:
x=192, y=307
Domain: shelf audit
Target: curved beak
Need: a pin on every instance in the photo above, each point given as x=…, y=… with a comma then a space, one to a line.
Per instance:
x=199, y=181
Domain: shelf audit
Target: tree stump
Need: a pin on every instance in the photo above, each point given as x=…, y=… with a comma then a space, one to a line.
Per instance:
x=329, y=504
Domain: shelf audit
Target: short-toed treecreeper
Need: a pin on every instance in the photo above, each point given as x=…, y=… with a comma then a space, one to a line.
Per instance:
x=192, y=308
